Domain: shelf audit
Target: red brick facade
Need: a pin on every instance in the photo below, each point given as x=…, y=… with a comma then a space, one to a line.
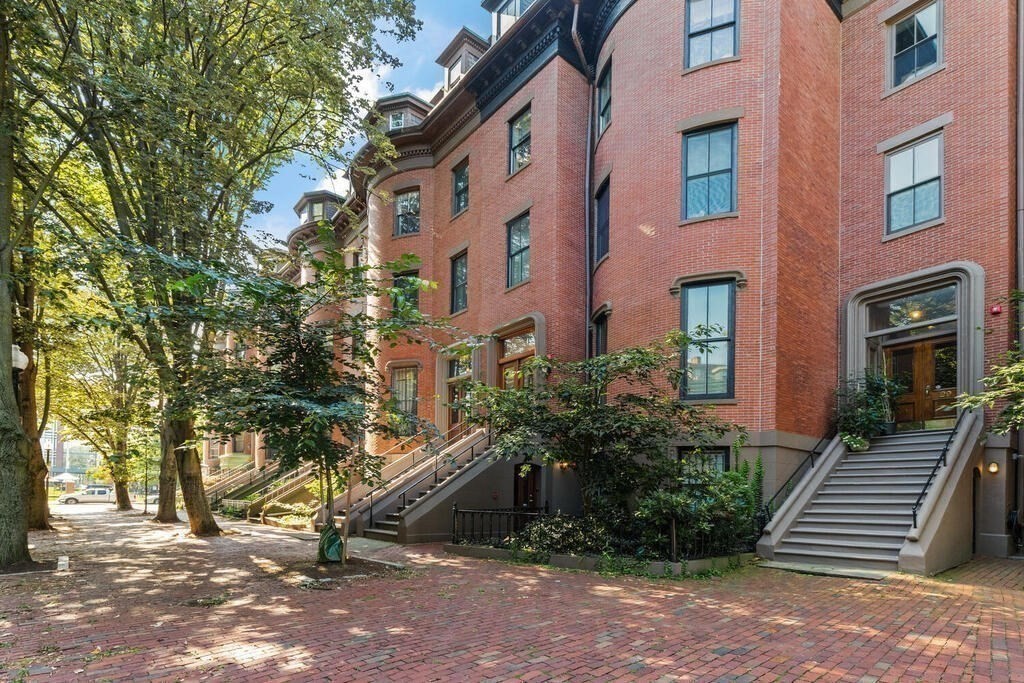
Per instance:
x=808, y=94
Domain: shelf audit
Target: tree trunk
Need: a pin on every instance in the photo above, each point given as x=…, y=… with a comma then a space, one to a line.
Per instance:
x=37, y=503
x=181, y=431
x=167, y=510
x=13, y=447
x=124, y=501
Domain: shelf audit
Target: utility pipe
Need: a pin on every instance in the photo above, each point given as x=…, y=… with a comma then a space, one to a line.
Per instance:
x=587, y=181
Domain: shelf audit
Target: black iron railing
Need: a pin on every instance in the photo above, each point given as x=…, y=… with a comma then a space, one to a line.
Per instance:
x=433, y=475
x=496, y=528
x=775, y=502
x=939, y=462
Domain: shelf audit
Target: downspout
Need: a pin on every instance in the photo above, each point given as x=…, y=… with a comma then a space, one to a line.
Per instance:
x=1018, y=318
x=587, y=180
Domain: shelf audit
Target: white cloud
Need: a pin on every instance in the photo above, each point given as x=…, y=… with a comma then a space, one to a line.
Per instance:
x=427, y=93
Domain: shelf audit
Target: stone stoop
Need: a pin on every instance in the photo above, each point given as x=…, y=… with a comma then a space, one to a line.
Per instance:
x=860, y=517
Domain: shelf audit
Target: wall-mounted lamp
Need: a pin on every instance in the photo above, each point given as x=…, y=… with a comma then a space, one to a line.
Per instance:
x=993, y=467
x=563, y=465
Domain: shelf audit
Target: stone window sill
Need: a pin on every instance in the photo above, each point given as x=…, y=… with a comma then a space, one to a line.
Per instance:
x=910, y=231
x=712, y=217
x=714, y=62
x=912, y=81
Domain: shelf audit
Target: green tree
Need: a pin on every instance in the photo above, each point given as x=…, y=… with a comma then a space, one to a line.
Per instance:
x=103, y=389
x=613, y=419
x=312, y=390
x=186, y=110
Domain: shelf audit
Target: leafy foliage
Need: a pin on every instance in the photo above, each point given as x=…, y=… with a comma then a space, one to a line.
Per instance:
x=613, y=418
x=865, y=404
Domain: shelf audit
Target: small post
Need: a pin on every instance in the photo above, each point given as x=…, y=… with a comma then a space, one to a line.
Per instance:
x=455, y=522
x=672, y=537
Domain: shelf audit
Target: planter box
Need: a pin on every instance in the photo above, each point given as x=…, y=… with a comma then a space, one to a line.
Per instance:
x=478, y=551
x=591, y=563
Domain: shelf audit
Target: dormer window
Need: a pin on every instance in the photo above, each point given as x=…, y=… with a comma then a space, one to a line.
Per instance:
x=455, y=72
x=509, y=12
x=318, y=211
x=396, y=120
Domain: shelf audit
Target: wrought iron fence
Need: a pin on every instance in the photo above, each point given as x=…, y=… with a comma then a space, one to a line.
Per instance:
x=496, y=528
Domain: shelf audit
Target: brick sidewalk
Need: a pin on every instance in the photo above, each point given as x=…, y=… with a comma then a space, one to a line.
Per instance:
x=122, y=614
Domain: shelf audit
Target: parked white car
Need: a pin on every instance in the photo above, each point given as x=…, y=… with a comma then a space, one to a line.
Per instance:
x=93, y=494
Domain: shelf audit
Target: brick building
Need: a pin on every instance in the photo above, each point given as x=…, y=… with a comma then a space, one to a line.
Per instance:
x=832, y=185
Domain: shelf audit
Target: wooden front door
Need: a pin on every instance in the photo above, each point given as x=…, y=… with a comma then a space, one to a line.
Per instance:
x=928, y=370
x=526, y=489
x=514, y=350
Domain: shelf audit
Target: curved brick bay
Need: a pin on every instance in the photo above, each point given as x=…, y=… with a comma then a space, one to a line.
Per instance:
x=122, y=614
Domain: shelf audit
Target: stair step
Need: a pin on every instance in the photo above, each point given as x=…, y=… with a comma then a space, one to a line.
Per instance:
x=889, y=469
x=861, y=507
x=849, y=559
x=903, y=461
x=876, y=480
x=381, y=534
x=812, y=543
x=873, y=489
x=855, y=498
x=845, y=533
x=386, y=524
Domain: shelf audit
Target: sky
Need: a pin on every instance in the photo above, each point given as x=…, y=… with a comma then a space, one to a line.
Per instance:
x=418, y=74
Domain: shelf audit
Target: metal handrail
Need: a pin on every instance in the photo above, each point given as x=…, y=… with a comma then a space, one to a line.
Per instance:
x=939, y=462
x=451, y=436
x=787, y=487
x=255, y=475
x=275, y=489
x=433, y=472
x=216, y=483
x=437, y=468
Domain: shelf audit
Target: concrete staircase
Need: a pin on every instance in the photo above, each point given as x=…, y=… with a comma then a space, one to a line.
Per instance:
x=862, y=514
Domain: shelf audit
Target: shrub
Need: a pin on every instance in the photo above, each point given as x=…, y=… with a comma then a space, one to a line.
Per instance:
x=587, y=535
x=715, y=513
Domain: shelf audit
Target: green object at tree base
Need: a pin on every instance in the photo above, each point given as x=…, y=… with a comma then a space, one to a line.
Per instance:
x=331, y=546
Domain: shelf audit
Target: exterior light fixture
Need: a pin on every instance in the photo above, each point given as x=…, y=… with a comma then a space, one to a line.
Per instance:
x=993, y=467
x=916, y=315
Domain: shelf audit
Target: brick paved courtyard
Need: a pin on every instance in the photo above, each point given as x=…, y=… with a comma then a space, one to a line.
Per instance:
x=123, y=613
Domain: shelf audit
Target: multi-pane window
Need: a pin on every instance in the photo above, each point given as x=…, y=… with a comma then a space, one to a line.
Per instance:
x=915, y=44
x=709, y=170
x=406, y=291
x=460, y=188
x=509, y=12
x=460, y=372
x=397, y=120
x=705, y=458
x=518, y=268
x=519, y=141
x=407, y=213
x=460, y=282
x=602, y=222
x=404, y=390
x=601, y=334
x=710, y=31
x=914, y=179
x=708, y=320
x=604, y=99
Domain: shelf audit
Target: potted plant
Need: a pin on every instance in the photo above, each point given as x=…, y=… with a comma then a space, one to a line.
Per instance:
x=865, y=407
x=883, y=391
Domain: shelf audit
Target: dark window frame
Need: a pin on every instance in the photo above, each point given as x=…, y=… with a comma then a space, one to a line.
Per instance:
x=733, y=127
x=512, y=256
x=414, y=300
x=730, y=389
x=941, y=178
x=601, y=334
x=524, y=142
x=716, y=452
x=893, y=29
x=458, y=286
x=399, y=229
x=604, y=99
x=460, y=197
x=602, y=223
x=402, y=404
x=690, y=35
